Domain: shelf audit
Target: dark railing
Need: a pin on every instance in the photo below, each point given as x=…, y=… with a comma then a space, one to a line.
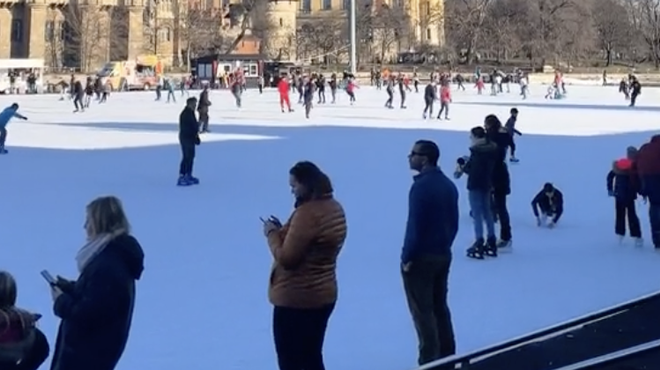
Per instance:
x=466, y=359
x=616, y=357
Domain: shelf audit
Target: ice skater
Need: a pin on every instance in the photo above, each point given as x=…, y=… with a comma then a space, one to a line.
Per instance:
x=5, y=116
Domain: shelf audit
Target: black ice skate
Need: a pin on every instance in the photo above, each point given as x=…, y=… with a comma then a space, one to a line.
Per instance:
x=476, y=251
x=490, y=249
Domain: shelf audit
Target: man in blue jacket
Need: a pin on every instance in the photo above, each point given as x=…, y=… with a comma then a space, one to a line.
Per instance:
x=426, y=257
x=5, y=116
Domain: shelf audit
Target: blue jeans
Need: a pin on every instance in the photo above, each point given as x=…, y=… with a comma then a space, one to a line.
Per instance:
x=654, y=217
x=482, y=213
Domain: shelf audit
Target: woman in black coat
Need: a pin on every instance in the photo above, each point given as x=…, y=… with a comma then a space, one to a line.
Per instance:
x=97, y=309
x=501, y=179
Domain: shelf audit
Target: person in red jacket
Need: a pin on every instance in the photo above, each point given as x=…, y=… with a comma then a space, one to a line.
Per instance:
x=445, y=99
x=648, y=168
x=350, y=89
x=283, y=88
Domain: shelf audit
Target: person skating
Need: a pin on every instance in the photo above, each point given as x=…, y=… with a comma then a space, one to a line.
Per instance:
x=308, y=97
x=203, y=109
x=501, y=184
x=283, y=88
x=78, y=97
x=623, y=186
x=430, y=96
x=350, y=89
x=390, y=93
x=333, y=87
x=188, y=139
x=445, y=100
x=5, y=116
x=550, y=202
x=635, y=90
x=479, y=167
x=402, y=91
x=510, y=127
x=320, y=85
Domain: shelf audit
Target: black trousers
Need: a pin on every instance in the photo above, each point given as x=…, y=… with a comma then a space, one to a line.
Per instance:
x=187, y=158
x=299, y=335
x=513, y=146
x=502, y=212
x=425, y=284
x=78, y=102
x=34, y=357
x=626, y=208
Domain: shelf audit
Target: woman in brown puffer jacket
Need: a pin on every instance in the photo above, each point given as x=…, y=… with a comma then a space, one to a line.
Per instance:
x=303, y=281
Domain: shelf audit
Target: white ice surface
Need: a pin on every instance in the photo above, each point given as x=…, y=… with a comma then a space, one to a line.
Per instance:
x=202, y=301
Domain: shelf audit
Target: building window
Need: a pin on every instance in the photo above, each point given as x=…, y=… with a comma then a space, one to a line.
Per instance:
x=306, y=6
x=49, y=31
x=346, y=4
x=327, y=5
x=17, y=30
x=428, y=34
x=281, y=22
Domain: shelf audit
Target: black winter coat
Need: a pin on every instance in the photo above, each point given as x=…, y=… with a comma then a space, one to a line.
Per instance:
x=480, y=166
x=97, y=309
x=188, y=127
x=501, y=177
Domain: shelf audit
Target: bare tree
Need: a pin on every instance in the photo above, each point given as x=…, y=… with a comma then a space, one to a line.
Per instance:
x=387, y=26
x=612, y=27
x=86, y=35
x=197, y=30
x=645, y=17
x=465, y=23
x=320, y=40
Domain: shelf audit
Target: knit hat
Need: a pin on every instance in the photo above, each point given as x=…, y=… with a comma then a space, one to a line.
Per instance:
x=623, y=164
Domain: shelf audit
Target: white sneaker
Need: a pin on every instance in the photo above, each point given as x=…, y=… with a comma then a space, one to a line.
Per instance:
x=620, y=238
x=639, y=242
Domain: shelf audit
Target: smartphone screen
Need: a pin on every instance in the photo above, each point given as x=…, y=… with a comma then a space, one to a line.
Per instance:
x=49, y=278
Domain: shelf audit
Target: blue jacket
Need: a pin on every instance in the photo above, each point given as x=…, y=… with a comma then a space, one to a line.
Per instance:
x=432, y=216
x=7, y=114
x=97, y=309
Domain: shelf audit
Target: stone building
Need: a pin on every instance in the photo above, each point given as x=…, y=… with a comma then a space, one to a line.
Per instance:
x=87, y=33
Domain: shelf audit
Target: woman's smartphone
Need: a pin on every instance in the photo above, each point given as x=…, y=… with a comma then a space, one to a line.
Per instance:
x=49, y=278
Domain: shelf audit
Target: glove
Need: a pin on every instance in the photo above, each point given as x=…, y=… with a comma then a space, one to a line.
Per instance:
x=461, y=161
x=197, y=140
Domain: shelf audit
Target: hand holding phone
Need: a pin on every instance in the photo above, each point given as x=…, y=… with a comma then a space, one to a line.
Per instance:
x=275, y=220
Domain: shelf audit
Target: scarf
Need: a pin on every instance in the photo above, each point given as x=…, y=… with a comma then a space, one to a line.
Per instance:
x=94, y=247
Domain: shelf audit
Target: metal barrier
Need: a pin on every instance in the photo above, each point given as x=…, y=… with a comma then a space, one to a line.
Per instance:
x=612, y=358
x=466, y=359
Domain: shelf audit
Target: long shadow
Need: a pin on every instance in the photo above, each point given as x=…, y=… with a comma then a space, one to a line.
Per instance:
x=557, y=105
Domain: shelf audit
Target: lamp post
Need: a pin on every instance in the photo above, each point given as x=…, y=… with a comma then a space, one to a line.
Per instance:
x=353, y=35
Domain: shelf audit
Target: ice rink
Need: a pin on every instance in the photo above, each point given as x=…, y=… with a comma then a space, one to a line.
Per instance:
x=202, y=301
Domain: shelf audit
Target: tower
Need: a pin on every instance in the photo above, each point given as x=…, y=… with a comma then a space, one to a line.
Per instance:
x=280, y=38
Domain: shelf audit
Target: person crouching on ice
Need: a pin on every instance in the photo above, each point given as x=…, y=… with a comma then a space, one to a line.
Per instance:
x=623, y=185
x=5, y=116
x=551, y=203
x=283, y=88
